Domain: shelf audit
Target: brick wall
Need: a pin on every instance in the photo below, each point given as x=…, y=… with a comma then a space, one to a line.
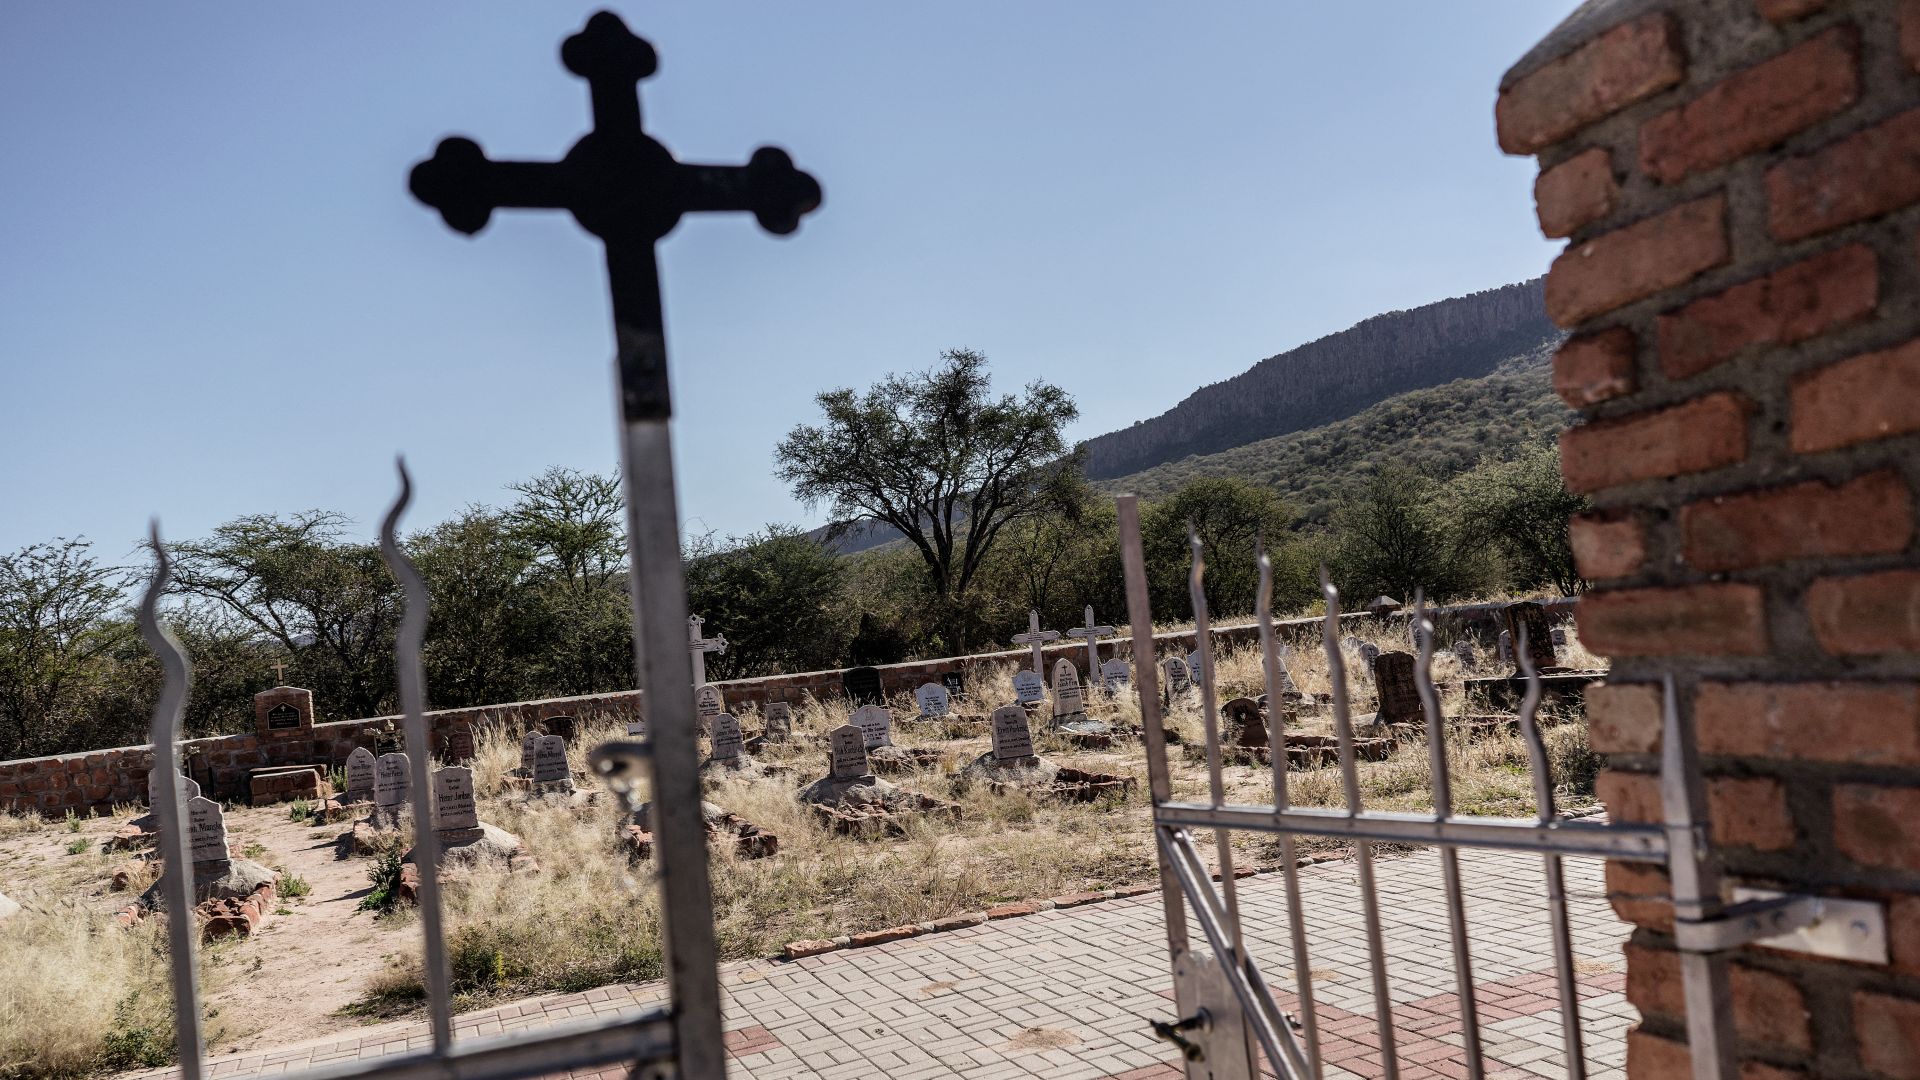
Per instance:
x=1739, y=185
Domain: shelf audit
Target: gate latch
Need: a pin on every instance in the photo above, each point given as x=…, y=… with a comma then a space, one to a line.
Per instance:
x=1817, y=925
x=1172, y=1033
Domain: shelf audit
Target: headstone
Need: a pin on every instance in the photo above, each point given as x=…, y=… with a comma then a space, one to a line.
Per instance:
x=862, y=686
x=188, y=789
x=1178, y=680
x=1037, y=639
x=283, y=711
x=1028, y=688
x=1533, y=618
x=360, y=771
x=932, y=699
x=708, y=702
x=1193, y=666
x=727, y=744
x=388, y=740
x=391, y=781
x=206, y=830
x=1559, y=637
x=1069, y=700
x=1394, y=683
x=1012, y=739
x=1249, y=728
x=1091, y=633
x=779, y=717
x=955, y=684
x=459, y=746
x=1463, y=652
x=1369, y=652
x=1350, y=643
x=847, y=753
x=700, y=646
x=637, y=728
x=453, y=807
x=564, y=727
x=875, y=724
x=1287, y=685
x=1116, y=676
x=1506, y=646
x=550, y=760
x=528, y=744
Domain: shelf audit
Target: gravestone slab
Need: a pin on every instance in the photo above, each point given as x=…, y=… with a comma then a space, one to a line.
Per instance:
x=189, y=790
x=1012, y=739
x=1069, y=700
x=359, y=774
x=779, y=716
x=453, y=806
x=1394, y=683
x=1505, y=648
x=528, y=744
x=1532, y=618
x=875, y=724
x=550, y=760
x=933, y=701
x=708, y=702
x=459, y=744
x=566, y=727
x=1249, y=728
x=283, y=711
x=391, y=783
x=1559, y=637
x=1116, y=676
x=847, y=753
x=1179, y=680
x=1028, y=688
x=956, y=685
x=206, y=831
x=636, y=728
x=727, y=743
x=862, y=686
x=1369, y=652
x=1463, y=652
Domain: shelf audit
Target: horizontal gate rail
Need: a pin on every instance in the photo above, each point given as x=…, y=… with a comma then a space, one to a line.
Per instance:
x=1632, y=843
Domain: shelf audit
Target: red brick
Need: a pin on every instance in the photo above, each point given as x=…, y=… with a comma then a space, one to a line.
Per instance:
x=1789, y=305
x=1903, y=934
x=1706, y=433
x=1780, y=11
x=1874, y=395
x=1867, y=613
x=1749, y=812
x=1591, y=368
x=1725, y=619
x=881, y=937
x=1576, y=191
x=1868, y=515
x=1607, y=547
x=1630, y=796
x=1624, y=718
x=1863, y=175
x=1014, y=910
x=1843, y=723
x=1637, y=261
x=1887, y=1030
x=1910, y=33
x=1627, y=63
x=1872, y=825
x=1755, y=108
x=809, y=947
x=1766, y=1007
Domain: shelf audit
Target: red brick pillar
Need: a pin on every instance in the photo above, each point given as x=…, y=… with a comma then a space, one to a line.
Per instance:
x=1739, y=184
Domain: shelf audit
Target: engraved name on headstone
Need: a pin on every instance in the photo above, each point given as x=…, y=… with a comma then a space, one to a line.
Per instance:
x=1178, y=679
x=779, y=717
x=875, y=724
x=550, y=760
x=1028, y=688
x=708, y=702
x=1069, y=700
x=453, y=806
x=360, y=774
x=932, y=699
x=391, y=782
x=188, y=788
x=727, y=743
x=956, y=684
x=459, y=745
x=1394, y=683
x=847, y=753
x=528, y=744
x=1012, y=739
x=206, y=830
x=1116, y=675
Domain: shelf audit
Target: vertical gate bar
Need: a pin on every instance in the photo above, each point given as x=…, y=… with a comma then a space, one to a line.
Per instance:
x=1210, y=717
x=1146, y=678
x=1289, y=872
x=426, y=842
x=1695, y=880
x=1550, y=864
x=176, y=877
x=1449, y=856
x=1362, y=849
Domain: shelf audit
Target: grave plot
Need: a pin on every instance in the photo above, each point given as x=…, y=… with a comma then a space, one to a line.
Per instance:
x=232, y=894
x=851, y=799
x=139, y=833
x=388, y=813
x=727, y=757
x=884, y=756
x=749, y=841
x=940, y=714
x=1012, y=763
x=466, y=842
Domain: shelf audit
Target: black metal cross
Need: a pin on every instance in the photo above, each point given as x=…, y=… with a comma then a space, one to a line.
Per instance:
x=622, y=186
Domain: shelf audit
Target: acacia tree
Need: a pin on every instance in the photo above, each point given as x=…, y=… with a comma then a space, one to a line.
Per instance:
x=937, y=457
x=1520, y=509
x=1393, y=536
x=55, y=599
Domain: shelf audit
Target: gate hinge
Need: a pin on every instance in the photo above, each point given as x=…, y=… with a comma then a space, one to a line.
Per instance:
x=1826, y=926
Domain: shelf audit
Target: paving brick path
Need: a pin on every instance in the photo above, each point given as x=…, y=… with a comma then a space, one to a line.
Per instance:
x=1069, y=993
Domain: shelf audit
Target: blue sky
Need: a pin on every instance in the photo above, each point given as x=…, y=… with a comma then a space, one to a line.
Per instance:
x=217, y=298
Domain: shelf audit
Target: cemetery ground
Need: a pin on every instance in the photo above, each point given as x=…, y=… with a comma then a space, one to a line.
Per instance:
x=86, y=996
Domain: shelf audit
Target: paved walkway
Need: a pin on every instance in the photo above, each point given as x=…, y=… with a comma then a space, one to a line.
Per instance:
x=1069, y=993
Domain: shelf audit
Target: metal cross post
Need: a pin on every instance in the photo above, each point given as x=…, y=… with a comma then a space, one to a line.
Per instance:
x=626, y=188
x=698, y=647
x=1038, y=639
x=1093, y=634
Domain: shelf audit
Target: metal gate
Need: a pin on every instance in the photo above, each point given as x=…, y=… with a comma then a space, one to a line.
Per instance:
x=1229, y=1018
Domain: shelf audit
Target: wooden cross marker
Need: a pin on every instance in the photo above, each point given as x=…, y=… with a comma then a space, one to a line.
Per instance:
x=699, y=647
x=279, y=674
x=1092, y=634
x=1037, y=638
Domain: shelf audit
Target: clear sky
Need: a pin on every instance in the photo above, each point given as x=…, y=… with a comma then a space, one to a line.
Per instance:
x=217, y=297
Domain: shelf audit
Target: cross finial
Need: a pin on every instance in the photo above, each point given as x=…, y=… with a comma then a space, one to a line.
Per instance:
x=279, y=674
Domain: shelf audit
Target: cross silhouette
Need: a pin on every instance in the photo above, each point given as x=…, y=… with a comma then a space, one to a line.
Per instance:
x=699, y=647
x=622, y=186
x=1092, y=632
x=1037, y=638
x=280, y=674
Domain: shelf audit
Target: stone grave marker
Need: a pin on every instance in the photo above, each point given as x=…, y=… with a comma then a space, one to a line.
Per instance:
x=1193, y=666
x=1463, y=652
x=459, y=744
x=1394, y=683
x=1069, y=699
x=955, y=684
x=1506, y=647
x=637, y=728
x=1369, y=652
x=1178, y=679
x=1540, y=642
x=1037, y=639
x=1116, y=675
x=933, y=701
x=1559, y=637
x=1249, y=729
x=189, y=790
x=206, y=831
x=565, y=727
x=875, y=724
x=453, y=807
x=779, y=716
x=862, y=686
x=847, y=753
x=1012, y=739
x=283, y=711
x=550, y=760
x=528, y=744
x=391, y=782
x=360, y=771
x=1091, y=633
x=1350, y=643
x=1028, y=688
x=727, y=741
x=708, y=702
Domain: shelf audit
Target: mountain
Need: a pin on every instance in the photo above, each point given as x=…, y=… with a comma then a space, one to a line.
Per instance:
x=1336, y=377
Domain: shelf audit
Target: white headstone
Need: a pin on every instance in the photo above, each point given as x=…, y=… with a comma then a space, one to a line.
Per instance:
x=779, y=717
x=636, y=728
x=528, y=744
x=360, y=773
x=188, y=788
x=727, y=744
x=875, y=724
x=1506, y=646
x=933, y=700
x=1068, y=698
x=1193, y=665
x=708, y=702
x=206, y=830
x=1178, y=680
x=550, y=760
x=453, y=808
x=847, y=753
x=391, y=783
x=1116, y=675
x=1028, y=688
x=1012, y=739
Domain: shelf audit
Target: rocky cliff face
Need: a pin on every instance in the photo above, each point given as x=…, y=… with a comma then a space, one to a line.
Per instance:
x=1335, y=377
